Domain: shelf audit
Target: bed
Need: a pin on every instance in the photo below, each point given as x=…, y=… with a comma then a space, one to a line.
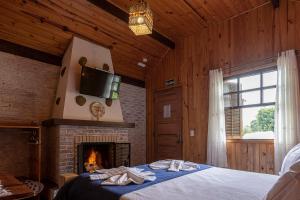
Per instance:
x=206, y=183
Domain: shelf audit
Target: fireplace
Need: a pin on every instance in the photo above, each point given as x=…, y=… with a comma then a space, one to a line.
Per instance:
x=102, y=155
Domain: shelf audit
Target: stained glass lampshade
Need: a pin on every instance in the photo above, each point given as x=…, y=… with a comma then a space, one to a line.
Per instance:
x=141, y=18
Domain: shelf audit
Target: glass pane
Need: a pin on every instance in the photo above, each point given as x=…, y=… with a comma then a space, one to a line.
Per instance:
x=230, y=85
x=269, y=95
x=117, y=78
x=258, y=122
x=115, y=87
x=230, y=100
x=250, y=98
x=114, y=95
x=269, y=78
x=250, y=82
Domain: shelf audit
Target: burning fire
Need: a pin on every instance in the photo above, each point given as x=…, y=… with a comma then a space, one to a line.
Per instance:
x=92, y=157
x=91, y=164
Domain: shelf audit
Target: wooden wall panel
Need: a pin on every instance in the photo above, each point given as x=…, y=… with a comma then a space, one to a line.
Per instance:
x=188, y=68
x=241, y=43
x=242, y=40
x=251, y=155
x=293, y=24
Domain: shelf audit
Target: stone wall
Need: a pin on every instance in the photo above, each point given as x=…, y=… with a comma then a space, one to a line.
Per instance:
x=133, y=103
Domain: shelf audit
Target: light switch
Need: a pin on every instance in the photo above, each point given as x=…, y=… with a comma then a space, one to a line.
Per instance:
x=192, y=132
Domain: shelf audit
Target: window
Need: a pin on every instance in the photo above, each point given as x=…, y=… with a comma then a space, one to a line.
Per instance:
x=249, y=102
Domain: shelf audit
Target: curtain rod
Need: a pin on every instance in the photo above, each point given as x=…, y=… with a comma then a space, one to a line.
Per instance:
x=258, y=64
x=265, y=60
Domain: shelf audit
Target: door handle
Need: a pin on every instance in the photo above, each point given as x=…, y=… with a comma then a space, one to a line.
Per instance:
x=179, y=140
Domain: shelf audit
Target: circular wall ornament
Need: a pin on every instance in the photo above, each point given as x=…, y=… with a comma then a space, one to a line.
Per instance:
x=97, y=109
x=108, y=102
x=105, y=67
x=80, y=100
x=82, y=61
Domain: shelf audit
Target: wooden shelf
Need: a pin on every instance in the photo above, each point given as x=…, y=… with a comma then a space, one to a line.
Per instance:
x=18, y=126
x=37, y=154
x=75, y=122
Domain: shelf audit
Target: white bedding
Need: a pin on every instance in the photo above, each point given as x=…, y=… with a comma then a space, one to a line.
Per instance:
x=210, y=184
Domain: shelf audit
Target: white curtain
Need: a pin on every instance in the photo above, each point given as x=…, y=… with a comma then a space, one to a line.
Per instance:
x=287, y=132
x=216, y=144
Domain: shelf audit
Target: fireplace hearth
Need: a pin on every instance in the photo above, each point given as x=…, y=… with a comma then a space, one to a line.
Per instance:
x=102, y=155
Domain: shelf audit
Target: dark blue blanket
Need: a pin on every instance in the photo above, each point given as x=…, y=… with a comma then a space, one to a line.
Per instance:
x=82, y=188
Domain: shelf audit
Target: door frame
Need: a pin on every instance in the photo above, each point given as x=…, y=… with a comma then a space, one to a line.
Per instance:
x=180, y=135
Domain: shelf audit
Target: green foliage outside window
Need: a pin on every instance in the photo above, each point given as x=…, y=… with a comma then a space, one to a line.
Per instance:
x=264, y=121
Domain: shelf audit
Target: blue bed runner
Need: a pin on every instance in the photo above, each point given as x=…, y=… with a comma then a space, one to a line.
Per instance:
x=82, y=188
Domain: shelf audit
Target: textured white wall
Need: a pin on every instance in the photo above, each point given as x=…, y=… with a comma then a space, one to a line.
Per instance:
x=69, y=84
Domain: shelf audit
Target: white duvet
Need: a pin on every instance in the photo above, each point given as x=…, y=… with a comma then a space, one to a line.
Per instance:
x=210, y=184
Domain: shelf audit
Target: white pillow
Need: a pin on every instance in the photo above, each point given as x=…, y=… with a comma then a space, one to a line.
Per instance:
x=291, y=157
x=295, y=167
x=287, y=186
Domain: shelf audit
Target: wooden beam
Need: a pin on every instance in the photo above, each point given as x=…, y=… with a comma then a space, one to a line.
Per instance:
x=124, y=16
x=132, y=81
x=275, y=3
x=27, y=52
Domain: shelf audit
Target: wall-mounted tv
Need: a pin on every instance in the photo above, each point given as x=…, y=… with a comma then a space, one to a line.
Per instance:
x=99, y=83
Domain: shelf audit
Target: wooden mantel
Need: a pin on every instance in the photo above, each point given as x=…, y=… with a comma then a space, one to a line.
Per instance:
x=75, y=122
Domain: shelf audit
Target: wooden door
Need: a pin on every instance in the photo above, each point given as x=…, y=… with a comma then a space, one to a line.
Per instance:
x=168, y=124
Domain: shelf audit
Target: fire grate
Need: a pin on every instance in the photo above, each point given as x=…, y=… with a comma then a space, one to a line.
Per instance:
x=102, y=155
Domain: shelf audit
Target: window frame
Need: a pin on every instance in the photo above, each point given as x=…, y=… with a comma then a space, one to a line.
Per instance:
x=261, y=88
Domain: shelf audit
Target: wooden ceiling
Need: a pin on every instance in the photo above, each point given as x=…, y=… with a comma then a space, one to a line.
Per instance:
x=185, y=17
x=48, y=25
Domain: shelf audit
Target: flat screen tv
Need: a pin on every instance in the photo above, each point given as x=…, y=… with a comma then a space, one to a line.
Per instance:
x=99, y=83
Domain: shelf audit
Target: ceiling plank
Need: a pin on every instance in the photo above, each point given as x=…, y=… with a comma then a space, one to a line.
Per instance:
x=124, y=16
x=49, y=25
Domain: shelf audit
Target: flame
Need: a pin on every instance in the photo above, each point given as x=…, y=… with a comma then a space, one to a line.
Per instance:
x=92, y=157
x=91, y=164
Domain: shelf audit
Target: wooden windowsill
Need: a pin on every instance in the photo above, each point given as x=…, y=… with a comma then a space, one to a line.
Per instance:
x=240, y=140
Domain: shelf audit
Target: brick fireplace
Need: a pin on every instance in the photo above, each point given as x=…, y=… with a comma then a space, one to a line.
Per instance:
x=62, y=143
x=102, y=155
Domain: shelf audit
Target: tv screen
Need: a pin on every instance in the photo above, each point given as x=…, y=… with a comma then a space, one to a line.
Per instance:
x=99, y=83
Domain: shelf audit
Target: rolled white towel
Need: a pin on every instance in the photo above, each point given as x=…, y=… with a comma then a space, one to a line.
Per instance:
x=132, y=175
x=174, y=165
x=123, y=176
x=189, y=166
x=161, y=164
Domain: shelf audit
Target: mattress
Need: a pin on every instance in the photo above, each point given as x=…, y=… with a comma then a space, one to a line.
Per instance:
x=207, y=183
x=210, y=184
